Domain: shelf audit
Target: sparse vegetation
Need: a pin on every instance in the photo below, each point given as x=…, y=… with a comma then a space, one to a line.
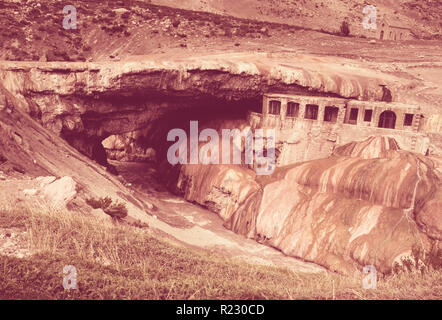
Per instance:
x=420, y=262
x=121, y=261
x=116, y=210
x=345, y=29
x=117, y=261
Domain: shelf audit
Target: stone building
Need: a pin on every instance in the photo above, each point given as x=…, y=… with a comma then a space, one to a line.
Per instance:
x=392, y=29
x=309, y=127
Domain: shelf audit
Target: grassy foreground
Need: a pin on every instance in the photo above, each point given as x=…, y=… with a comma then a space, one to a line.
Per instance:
x=116, y=261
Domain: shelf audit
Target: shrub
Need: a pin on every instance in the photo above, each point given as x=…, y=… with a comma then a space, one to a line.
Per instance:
x=176, y=23
x=57, y=55
x=420, y=261
x=34, y=13
x=345, y=29
x=116, y=210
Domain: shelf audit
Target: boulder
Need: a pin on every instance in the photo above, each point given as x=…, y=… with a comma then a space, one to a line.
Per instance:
x=44, y=181
x=60, y=192
x=30, y=192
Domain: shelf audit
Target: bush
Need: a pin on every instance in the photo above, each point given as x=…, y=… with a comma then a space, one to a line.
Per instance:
x=57, y=55
x=116, y=210
x=420, y=261
x=345, y=29
x=34, y=13
x=176, y=23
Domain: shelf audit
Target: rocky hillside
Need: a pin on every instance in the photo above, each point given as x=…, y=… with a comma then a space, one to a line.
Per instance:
x=423, y=17
x=111, y=29
x=116, y=29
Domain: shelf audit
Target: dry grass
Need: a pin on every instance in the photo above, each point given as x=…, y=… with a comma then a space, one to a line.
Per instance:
x=116, y=261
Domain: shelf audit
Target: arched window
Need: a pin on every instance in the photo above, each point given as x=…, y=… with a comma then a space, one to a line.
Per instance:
x=387, y=119
x=382, y=35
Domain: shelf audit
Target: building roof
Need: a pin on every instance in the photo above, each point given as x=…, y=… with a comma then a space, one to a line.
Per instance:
x=350, y=102
x=392, y=105
x=294, y=97
x=395, y=23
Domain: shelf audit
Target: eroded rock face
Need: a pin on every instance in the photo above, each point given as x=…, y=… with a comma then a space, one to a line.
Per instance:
x=87, y=102
x=130, y=147
x=373, y=147
x=43, y=155
x=370, y=203
x=221, y=188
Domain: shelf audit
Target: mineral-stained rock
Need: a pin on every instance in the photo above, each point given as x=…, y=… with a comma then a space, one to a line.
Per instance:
x=373, y=147
x=221, y=188
x=353, y=209
x=429, y=218
x=87, y=102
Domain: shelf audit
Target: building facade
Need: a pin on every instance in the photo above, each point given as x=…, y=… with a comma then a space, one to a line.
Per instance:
x=393, y=29
x=309, y=127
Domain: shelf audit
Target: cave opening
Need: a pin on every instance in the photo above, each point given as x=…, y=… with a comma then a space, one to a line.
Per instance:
x=147, y=142
x=140, y=156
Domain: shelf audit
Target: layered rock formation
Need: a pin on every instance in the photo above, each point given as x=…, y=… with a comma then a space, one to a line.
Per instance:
x=32, y=157
x=87, y=102
x=368, y=204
